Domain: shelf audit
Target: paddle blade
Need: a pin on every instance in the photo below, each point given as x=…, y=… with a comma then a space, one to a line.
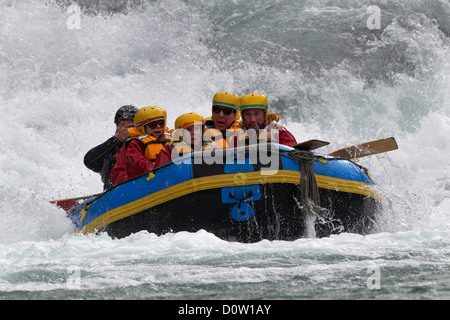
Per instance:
x=311, y=145
x=366, y=149
x=66, y=205
x=69, y=204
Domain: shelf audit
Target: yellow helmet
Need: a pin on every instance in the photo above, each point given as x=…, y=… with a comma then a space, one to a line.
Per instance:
x=149, y=114
x=227, y=99
x=188, y=119
x=254, y=101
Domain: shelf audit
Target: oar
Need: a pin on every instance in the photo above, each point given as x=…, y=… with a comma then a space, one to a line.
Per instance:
x=311, y=145
x=77, y=198
x=67, y=204
x=366, y=149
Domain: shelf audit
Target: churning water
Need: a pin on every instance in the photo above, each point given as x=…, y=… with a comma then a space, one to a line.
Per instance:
x=342, y=71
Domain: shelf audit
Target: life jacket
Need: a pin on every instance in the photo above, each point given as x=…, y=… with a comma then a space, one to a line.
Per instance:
x=216, y=136
x=236, y=125
x=152, y=145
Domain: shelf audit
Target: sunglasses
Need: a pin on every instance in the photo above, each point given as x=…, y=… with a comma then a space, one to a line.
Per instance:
x=154, y=124
x=226, y=111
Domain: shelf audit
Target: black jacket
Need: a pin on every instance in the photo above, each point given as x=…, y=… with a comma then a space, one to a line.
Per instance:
x=102, y=158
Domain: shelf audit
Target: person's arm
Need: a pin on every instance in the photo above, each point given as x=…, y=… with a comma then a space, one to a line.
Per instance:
x=95, y=157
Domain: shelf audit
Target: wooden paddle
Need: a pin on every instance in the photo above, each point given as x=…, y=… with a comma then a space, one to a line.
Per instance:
x=68, y=204
x=311, y=145
x=366, y=149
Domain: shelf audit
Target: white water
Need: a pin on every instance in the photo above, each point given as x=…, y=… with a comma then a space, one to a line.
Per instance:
x=326, y=74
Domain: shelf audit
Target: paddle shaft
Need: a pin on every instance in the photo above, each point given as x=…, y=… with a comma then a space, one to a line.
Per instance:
x=77, y=198
x=366, y=149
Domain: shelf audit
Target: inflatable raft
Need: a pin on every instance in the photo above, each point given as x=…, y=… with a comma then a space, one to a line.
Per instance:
x=244, y=194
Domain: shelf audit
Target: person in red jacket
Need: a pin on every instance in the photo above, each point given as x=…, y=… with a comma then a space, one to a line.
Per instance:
x=138, y=154
x=254, y=109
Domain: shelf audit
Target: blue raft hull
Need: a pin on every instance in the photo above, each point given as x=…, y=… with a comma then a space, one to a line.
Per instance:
x=239, y=198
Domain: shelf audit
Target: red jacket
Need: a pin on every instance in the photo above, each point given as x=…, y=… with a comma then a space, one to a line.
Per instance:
x=285, y=137
x=132, y=161
x=164, y=156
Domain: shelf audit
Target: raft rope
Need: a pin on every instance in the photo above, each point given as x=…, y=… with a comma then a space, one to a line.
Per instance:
x=309, y=191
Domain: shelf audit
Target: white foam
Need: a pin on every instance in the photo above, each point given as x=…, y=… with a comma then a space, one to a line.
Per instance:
x=60, y=89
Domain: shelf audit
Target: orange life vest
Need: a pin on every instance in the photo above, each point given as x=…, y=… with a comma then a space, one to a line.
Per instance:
x=152, y=145
x=216, y=136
